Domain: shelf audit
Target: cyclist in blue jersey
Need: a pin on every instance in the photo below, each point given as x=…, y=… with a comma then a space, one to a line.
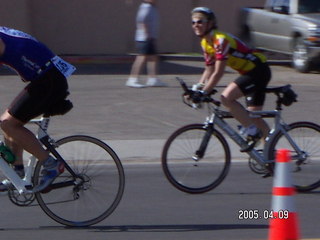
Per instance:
x=45, y=93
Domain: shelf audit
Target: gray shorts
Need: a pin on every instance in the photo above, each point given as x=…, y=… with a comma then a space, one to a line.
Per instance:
x=146, y=47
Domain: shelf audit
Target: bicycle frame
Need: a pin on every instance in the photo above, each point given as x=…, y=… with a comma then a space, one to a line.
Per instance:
x=24, y=185
x=216, y=118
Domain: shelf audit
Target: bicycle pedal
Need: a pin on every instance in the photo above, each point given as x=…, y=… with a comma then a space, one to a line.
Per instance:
x=270, y=168
x=248, y=148
x=251, y=144
x=269, y=174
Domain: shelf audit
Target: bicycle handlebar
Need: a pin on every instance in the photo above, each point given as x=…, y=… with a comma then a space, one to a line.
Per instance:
x=285, y=95
x=196, y=95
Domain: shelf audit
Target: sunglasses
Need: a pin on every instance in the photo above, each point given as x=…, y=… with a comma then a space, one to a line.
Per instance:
x=198, y=22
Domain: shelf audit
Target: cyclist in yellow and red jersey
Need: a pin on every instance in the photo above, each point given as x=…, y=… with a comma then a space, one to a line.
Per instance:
x=229, y=48
x=222, y=49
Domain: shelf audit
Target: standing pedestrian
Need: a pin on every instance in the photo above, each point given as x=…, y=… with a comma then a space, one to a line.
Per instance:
x=147, y=28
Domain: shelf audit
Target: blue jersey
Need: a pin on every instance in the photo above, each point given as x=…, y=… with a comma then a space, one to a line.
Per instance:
x=25, y=54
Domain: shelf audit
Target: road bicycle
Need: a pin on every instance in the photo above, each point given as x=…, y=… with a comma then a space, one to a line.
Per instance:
x=89, y=189
x=196, y=158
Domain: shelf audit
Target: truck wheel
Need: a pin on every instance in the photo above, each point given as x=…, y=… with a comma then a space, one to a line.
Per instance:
x=300, y=58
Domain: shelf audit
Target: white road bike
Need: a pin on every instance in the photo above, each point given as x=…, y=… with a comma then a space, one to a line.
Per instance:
x=87, y=192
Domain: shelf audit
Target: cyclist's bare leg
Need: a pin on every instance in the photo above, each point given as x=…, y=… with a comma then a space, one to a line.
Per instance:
x=16, y=149
x=260, y=122
x=22, y=137
x=229, y=98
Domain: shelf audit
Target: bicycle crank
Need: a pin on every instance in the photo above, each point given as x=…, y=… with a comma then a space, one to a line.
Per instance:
x=21, y=200
x=256, y=167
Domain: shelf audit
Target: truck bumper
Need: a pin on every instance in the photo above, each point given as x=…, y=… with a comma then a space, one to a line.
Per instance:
x=313, y=48
x=314, y=52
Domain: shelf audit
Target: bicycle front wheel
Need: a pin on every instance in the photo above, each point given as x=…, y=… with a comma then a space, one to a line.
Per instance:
x=304, y=151
x=97, y=189
x=195, y=175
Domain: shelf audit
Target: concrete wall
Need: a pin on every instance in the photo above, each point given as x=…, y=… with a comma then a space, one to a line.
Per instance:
x=84, y=27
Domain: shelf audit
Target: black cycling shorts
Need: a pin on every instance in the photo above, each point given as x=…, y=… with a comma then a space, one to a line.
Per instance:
x=253, y=84
x=39, y=95
x=146, y=47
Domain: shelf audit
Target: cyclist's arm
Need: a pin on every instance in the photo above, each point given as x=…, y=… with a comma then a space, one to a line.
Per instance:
x=206, y=74
x=216, y=75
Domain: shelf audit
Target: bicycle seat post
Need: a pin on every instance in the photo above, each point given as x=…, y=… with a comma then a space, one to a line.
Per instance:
x=43, y=124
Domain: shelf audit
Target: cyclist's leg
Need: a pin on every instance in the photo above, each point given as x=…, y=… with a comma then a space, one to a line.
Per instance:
x=229, y=99
x=17, y=165
x=260, y=122
x=21, y=137
x=33, y=101
x=256, y=98
x=16, y=149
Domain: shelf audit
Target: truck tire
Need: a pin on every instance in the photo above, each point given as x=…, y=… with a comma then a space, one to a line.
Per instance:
x=300, y=59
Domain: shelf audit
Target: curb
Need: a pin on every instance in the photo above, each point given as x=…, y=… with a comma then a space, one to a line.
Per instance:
x=129, y=58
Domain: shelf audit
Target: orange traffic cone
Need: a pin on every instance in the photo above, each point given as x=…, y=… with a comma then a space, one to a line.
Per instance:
x=283, y=217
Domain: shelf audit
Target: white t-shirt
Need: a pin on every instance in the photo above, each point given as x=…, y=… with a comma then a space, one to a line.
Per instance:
x=147, y=21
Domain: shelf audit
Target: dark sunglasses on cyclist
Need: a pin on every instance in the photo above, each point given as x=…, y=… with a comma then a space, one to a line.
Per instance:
x=198, y=22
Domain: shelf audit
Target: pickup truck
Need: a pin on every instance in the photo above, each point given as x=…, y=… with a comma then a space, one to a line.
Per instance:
x=285, y=26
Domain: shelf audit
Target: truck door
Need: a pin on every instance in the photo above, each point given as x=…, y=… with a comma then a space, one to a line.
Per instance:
x=278, y=25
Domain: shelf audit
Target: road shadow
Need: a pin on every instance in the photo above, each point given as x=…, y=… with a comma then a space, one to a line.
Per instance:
x=122, y=68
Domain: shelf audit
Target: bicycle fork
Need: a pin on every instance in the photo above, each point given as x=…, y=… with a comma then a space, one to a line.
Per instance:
x=204, y=143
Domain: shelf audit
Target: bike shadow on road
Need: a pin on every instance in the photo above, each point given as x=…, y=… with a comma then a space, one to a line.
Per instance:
x=176, y=228
x=151, y=228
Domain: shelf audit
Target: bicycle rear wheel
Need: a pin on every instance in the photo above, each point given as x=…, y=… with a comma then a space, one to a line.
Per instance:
x=306, y=170
x=190, y=175
x=96, y=191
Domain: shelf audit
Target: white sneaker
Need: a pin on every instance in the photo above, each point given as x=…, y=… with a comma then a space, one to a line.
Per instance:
x=133, y=82
x=155, y=82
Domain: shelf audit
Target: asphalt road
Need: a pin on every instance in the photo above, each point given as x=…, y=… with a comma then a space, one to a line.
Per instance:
x=136, y=122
